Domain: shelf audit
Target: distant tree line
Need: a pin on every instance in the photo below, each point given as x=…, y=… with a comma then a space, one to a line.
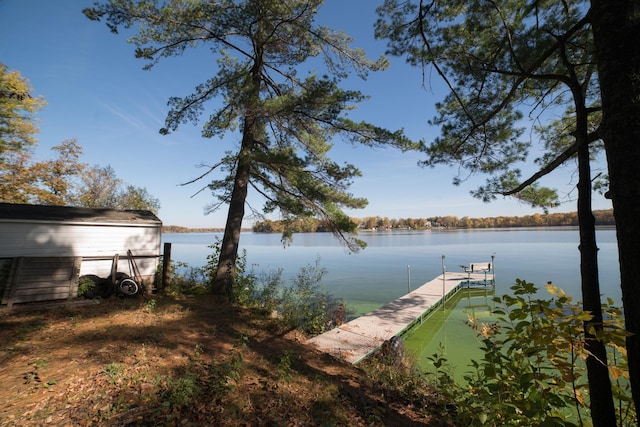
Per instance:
x=310, y=225
x=180, y=229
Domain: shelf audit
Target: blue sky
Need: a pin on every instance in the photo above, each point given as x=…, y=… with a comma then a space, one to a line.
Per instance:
x=98, y=93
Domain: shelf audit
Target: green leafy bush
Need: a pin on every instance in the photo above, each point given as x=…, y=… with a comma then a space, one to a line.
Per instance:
x=85, y=286
x=181, y=391
x=306, y=304
x=183, y=279
x=268, y=293
x=532, y=371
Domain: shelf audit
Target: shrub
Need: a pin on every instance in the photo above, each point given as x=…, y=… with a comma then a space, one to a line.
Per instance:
x=86, y=286
x=266, y=293
x=181, y=391
x=532, y=372
x=183, y=279
x=306, y=304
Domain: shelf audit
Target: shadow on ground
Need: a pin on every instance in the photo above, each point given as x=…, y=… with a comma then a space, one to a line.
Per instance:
x=194, y=361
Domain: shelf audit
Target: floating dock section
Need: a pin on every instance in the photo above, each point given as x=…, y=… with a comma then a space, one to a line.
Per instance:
x=355, y=340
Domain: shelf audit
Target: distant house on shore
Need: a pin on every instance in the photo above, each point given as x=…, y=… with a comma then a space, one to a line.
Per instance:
x=44, y=249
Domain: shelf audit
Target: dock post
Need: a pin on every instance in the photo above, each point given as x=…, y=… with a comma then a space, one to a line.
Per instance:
x=408, y=278
x=493, y=266
x=443, y=278
x=166, y=266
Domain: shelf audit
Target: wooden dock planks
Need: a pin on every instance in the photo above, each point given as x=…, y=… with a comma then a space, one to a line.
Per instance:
x=355, y=340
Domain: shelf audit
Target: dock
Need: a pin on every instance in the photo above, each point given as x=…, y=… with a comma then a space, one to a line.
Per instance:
x=355, y=340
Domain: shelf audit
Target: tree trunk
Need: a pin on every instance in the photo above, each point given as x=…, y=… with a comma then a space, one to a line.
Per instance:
x=225, y=273
x=616, y=30
x=603, y=412
x=601, y=397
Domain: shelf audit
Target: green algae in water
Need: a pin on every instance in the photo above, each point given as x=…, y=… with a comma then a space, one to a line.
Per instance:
x=360, y=308
x=446, y=332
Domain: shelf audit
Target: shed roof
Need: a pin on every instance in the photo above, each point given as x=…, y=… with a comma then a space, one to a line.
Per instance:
x=10, y=211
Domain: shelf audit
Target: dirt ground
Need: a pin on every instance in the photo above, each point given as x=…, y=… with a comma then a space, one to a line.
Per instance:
x=182, y=362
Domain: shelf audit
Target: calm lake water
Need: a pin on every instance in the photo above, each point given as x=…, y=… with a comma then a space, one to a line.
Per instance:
x=396, y=260
x=379, y=273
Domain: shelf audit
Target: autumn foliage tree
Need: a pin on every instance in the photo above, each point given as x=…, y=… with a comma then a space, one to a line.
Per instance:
x=18, y=131
x=64, y=180
x=55, y=178
x=99, y=187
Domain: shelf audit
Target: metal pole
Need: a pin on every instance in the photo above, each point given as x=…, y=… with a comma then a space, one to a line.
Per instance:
x=408, y=278
x=493, y=266
x=443, y=278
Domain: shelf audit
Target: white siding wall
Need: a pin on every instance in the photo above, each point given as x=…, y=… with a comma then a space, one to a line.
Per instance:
x=40, y=239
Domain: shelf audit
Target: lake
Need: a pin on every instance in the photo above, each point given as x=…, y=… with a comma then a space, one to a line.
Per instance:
x=382, y=271
x=395, y=261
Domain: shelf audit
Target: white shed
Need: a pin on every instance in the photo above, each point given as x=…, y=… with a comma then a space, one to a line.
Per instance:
x=88, y=240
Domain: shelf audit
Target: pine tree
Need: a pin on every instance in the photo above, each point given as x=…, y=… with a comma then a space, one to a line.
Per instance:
x=287, y=117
